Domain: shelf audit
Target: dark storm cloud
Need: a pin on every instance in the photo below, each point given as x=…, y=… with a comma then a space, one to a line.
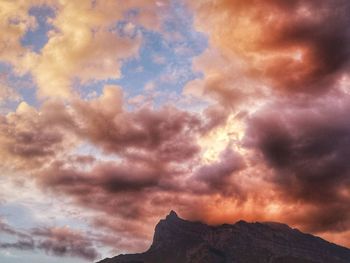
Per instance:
x=308, y=145
x=324, y=34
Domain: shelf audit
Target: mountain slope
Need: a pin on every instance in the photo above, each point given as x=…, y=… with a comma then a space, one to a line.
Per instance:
x=180, y=241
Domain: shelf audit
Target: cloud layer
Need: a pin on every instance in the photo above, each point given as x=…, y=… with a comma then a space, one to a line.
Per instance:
x=59, y=241
x=270, y=143
x=299, y=46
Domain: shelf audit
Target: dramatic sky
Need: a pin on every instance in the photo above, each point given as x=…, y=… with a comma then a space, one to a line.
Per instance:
x=114, y=112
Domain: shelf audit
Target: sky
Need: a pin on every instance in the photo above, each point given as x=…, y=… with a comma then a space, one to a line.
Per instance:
x=113, y=113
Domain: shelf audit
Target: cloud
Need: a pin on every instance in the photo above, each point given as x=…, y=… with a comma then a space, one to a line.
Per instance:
x=90, y=30
x=167, y=134
x=65, y=242
x=299, y=46
x=307, y=145
x=152, y=149
x=31, y=138
x=145, y=136
x=224, y=80
x=215, y=116
x=26, y=139
x=24, y=240
x=106, y=177
x=9, y=230
x=58, y=241
x=219, y=176
x=95, y=51
x=155, y=164
x=157, y=161
x=21, y=245
x=14, y=23
x=272, y=144
x=282, y=67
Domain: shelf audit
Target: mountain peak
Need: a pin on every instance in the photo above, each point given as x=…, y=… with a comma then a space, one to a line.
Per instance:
x=172, y=215
x=178, y=240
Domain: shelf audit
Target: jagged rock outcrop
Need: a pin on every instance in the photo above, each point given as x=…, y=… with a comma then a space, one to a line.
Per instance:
x=179, y=241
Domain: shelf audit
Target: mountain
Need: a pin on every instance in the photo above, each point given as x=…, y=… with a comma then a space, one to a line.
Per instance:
x=179, y=241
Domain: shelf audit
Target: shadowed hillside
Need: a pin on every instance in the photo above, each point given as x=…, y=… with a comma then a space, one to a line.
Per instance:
x=179, y=241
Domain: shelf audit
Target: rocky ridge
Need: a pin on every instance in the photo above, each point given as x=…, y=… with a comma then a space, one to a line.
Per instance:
x=180, y=241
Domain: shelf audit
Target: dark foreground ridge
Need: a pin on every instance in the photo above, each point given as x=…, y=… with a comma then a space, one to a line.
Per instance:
x=179, y=241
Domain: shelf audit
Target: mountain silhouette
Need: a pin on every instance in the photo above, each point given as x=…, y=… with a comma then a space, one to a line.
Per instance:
x=180, y=241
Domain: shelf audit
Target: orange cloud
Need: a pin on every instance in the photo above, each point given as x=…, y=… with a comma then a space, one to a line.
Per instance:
x=285, y=44
x=84, y=44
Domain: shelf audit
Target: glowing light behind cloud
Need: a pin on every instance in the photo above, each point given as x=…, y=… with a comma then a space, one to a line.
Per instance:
x=111, y=115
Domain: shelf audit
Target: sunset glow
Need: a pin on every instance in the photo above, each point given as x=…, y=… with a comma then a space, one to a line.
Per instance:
x=113, y=113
